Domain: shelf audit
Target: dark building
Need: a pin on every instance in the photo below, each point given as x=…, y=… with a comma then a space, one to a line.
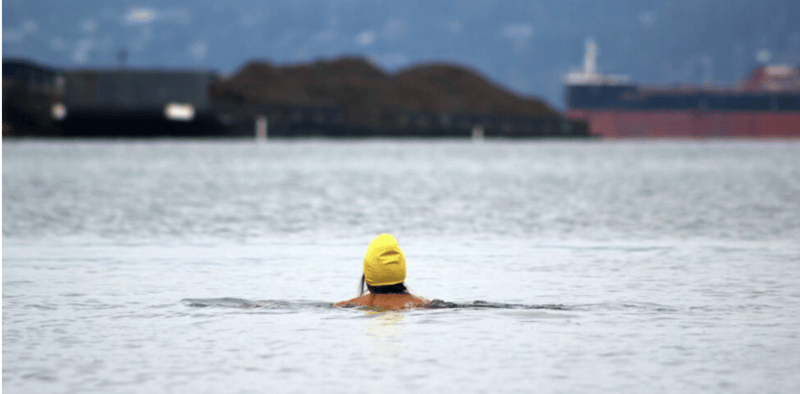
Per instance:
x=139, y=103
x=31, y=98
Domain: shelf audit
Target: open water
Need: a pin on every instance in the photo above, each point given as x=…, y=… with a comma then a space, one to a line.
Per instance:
x=562, y=267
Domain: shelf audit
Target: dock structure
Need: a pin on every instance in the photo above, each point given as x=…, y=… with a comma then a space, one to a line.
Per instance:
x=145, y=103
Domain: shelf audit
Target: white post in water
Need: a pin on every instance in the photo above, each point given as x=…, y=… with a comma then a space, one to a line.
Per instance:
x=477, y=133
x=261, y=128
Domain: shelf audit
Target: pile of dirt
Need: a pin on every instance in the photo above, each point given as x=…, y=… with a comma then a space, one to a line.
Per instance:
x=367, y=92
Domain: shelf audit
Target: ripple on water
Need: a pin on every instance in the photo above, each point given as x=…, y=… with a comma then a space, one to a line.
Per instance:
x=240, y=303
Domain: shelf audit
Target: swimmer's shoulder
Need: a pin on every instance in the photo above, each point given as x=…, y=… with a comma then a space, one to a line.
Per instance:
x=418, y=302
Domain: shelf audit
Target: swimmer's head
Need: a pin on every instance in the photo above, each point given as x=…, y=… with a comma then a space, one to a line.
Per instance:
x=384, y=263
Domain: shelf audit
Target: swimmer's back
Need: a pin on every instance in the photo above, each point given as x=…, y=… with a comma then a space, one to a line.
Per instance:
x=388, y=301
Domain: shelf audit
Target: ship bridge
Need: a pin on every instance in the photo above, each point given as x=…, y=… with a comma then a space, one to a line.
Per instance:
x=588, y=75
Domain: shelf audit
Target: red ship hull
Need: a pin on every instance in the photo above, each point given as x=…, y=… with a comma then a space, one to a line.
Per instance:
x=615, y=123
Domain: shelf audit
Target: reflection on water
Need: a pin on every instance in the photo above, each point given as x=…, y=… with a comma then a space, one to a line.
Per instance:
x=384, y=329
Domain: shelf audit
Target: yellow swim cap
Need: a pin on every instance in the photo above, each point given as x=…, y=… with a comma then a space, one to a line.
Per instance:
x=384, y=263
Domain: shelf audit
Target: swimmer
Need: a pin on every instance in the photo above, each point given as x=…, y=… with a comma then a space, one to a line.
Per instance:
x=384, y=273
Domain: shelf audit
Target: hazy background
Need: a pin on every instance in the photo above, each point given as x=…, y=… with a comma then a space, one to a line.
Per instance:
x=526, y=46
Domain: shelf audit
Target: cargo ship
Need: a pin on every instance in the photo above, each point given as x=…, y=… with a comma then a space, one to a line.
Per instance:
x=766, y=105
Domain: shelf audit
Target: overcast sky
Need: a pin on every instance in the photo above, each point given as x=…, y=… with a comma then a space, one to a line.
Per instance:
x=526, y=46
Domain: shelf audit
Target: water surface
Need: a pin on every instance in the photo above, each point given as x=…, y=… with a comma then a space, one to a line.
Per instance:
x=562, y=267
